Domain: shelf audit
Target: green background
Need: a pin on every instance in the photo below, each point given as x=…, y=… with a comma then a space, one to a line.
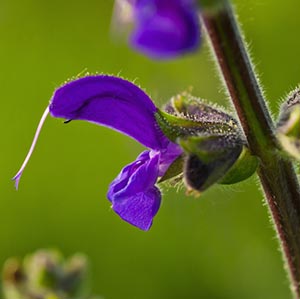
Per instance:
x=221, y=245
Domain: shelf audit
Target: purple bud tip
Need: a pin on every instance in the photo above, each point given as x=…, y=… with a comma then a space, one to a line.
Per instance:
x=166, y=29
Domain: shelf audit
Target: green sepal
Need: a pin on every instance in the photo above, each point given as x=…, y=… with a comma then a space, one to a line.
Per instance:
x=242, y=169
x=208, y=158
x=186, y=115
x=215, y=151
x=288, y=127
x=292, y=126
x=290, y=145
x=199, y=110
x=174, y=127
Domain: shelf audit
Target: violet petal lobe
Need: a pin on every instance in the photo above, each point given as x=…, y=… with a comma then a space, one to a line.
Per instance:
x=166, y=28
x=139, y=209
x=129, y=173
x=133, y=194
x=112, y=102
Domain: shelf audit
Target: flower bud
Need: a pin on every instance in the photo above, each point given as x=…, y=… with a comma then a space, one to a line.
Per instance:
x=46, y=275
x=208, y=159
x=288, y=127
x=13, y=279
x=185, y=115
x=214, y=150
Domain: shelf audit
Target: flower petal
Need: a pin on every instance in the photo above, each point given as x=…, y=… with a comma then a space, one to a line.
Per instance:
x=139, y=209
x=166, y=28
x=133, y=193
x=136, y=177
x=111, y=102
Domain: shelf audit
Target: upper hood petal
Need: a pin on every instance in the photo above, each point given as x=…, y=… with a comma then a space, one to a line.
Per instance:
x=111, y=102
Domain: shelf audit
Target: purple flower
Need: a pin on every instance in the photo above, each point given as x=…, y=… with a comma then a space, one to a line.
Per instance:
x=122, y=106
x=165, y=29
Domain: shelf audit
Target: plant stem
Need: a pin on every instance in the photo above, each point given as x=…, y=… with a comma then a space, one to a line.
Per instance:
x=276, y=174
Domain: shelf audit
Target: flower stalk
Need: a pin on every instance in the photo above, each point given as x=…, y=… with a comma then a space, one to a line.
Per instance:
x=276, y=173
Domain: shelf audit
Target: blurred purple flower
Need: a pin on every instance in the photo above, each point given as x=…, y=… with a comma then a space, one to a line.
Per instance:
x=164, y=29
x=122, y=106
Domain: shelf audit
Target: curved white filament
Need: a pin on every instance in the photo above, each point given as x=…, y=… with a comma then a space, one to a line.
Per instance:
x=17, y=177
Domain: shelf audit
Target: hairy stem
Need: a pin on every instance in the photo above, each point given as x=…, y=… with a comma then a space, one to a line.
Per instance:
x=276, y=174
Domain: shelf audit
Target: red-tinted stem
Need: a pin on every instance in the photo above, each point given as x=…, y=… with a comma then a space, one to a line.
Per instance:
x=277, y=176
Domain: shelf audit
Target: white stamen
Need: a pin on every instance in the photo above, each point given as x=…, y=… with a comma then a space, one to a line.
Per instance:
x=17, y=177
